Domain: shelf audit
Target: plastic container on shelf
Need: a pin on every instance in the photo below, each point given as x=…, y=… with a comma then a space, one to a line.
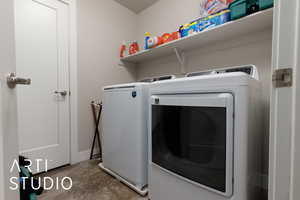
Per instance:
x=184, y=30
x=154, y=41
x=238, y=9
x=252, y=6
x=264, y=4
x=193, y=28
x=134, y=48
x=148, y=35
x=241, y=8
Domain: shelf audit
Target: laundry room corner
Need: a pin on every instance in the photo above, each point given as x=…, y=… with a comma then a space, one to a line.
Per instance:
x=98, y=63
x=86, y=21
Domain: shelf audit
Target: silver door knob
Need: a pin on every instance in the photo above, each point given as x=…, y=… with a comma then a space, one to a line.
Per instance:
x=12, y=80
x=62, y=93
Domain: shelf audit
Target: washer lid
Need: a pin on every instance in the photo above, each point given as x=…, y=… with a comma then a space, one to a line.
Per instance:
x=125, y=86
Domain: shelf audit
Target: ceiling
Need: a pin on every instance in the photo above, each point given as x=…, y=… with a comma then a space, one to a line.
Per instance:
x=136, y=5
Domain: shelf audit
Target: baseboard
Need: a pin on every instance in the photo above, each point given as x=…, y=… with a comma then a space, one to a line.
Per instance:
x=265, y=181
x=84, y=155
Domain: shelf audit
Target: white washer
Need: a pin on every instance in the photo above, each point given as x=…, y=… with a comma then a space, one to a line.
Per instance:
x=125, y=133
x=205, y=136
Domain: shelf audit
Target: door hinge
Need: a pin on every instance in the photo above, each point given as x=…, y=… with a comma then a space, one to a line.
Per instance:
x=283, y=78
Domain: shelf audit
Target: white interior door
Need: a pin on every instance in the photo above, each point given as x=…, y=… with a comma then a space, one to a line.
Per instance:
x=8, y=112
x=284, y=173
x=42, y=54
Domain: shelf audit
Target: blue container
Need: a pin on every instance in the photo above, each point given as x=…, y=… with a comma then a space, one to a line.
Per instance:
x=194, y=28
x=225, y=16
x=241, y=8
x=264, y=4
x=184, y=30
x=221, y=17
x=238, y=9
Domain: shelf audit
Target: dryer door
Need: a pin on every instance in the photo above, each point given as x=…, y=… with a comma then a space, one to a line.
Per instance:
x=192, y=138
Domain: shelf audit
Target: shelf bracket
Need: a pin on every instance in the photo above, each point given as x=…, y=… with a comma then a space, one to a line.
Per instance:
x=127, y=64
x=121, y=64
x=181, y=59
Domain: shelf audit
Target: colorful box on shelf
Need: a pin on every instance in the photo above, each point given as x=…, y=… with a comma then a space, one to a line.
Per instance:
x=205, y=23
x=154, y=41
x=214, y=20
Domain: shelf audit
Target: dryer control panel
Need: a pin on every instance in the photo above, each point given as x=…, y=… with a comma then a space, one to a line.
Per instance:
x=251, y=70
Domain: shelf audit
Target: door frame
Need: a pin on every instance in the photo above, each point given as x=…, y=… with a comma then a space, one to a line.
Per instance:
x=74, y=151
x=284, y=163
x=75, y=155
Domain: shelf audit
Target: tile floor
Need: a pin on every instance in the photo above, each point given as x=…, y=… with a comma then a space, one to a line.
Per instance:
x=89, y=183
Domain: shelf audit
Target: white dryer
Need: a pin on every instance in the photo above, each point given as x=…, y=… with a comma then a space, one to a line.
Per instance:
x=124, y=135
x=205, y=136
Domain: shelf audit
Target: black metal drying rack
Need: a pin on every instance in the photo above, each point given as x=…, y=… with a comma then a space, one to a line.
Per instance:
x=97, y=116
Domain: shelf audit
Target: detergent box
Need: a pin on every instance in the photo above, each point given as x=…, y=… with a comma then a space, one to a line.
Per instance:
x=214, y=20
x=210, y=7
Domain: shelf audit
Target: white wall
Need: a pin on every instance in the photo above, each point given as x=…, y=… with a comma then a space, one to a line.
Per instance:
x=102, y=26
x=167, y=16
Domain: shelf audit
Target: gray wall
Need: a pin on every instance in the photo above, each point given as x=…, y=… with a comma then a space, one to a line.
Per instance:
x=102, y=26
